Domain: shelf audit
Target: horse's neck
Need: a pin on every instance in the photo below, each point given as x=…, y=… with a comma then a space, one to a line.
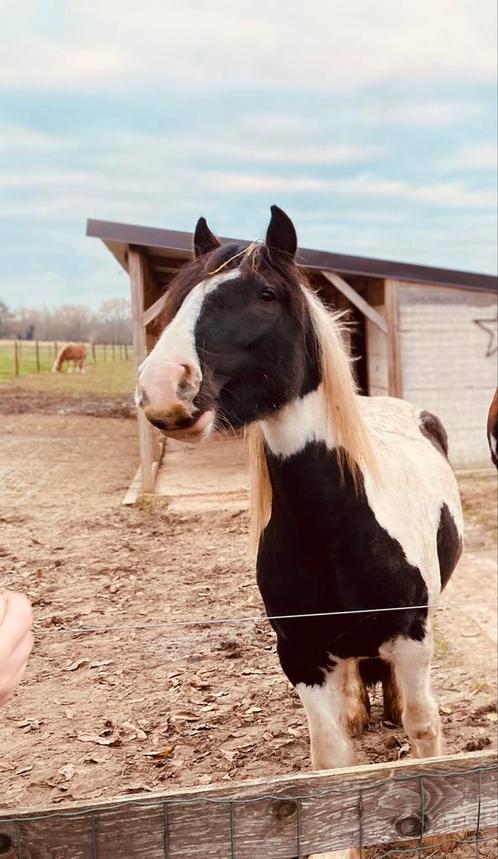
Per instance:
x=305, y=419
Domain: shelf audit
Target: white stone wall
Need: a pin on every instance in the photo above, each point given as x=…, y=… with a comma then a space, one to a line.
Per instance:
x=444, y=362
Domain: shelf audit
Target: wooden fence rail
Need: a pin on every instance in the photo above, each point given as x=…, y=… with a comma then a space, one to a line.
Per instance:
x=279, y=818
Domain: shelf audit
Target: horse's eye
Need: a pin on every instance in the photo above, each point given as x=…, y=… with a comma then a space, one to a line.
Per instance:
x=268, y=294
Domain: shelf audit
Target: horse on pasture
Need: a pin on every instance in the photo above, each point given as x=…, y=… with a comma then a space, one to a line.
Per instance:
x=71, y=352
x=356, y=510
x=493, y=428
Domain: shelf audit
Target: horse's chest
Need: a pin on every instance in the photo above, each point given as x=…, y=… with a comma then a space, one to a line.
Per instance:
x=324, y=551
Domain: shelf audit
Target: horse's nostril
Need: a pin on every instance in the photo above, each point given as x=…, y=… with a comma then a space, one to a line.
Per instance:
x=159, y=424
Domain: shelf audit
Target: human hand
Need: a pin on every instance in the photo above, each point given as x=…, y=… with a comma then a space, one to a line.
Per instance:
x=16, y=640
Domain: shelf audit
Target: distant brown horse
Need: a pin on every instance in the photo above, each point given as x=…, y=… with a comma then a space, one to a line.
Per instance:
x=493, y=428
x=71, y=352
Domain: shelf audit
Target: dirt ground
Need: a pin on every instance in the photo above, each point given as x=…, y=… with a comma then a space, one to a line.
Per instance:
x=126, y=709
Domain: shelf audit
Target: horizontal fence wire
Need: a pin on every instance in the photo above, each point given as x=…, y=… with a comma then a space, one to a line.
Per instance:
x=240, y=621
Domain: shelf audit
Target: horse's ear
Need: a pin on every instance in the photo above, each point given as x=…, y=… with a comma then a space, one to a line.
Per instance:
x=281, y=234
x=204, y=239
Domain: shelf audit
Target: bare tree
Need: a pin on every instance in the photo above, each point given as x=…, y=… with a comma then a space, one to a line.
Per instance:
x=110, y=324
x=114, y=321
x=6, y=319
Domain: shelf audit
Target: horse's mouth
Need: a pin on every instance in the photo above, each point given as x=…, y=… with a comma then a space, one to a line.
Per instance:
x=195, y=431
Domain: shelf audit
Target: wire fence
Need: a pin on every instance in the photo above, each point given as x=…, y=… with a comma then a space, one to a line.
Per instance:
x=420, y=812
x=367, y=613
x=27, y=357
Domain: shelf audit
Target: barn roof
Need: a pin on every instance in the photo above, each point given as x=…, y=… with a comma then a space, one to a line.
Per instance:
x=167, y=249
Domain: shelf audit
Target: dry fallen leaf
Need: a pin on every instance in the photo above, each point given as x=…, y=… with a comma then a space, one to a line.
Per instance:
x=94, y=758
x=113, y=740
x=76, y=664
x=185, y=715
x=67, y=771
x=23, y=770
x=163, y=753
x=477, y=744
x=404, y=750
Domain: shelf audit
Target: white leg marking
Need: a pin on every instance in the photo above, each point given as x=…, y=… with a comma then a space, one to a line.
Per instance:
x=412, y=663
x=326, y=709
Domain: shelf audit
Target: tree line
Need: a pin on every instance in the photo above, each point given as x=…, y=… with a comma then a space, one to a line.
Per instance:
x=111, y=323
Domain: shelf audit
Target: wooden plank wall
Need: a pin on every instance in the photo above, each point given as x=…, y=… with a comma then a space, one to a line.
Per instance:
x=282, y=818
x=445, y=366
x=377, y=358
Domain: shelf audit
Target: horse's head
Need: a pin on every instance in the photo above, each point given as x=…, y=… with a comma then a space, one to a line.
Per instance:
x=238, y=343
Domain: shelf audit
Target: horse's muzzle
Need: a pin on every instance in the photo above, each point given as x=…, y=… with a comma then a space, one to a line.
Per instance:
x=165, y=392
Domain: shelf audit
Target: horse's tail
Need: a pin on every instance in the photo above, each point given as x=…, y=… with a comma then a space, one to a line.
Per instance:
x=58, y=361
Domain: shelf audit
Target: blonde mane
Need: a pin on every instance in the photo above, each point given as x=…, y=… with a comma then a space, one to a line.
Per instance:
x=344, y=421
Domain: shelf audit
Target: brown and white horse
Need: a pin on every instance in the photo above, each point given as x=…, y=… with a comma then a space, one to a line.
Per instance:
x=493, y=428
x=71, y=352
x=356, y=509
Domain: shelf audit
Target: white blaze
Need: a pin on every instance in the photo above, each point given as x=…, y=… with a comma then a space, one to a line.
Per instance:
x=176, y=344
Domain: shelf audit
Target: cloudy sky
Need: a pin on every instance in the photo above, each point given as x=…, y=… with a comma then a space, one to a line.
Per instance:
x=372, y=124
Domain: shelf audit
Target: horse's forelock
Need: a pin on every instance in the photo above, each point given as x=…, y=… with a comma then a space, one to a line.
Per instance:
x=278, y=270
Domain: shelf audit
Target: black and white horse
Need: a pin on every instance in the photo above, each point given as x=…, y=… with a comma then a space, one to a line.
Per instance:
x=493, y=429
x=356, y=508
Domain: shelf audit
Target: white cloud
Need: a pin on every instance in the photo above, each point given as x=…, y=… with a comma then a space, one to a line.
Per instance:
x=421, y=114
x=439, y=194
x=289, y=153
x=15, y=139
x=69, y=193
x=222, y=44
x=53, y=178
x=476, y=156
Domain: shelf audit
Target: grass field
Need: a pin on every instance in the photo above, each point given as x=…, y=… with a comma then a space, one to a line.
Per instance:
x=105, y=375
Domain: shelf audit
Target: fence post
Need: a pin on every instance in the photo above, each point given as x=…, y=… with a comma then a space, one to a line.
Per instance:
x=55, y=349
x=126, y=351
x=94, y=353
x=113, y=351
x=37, y=353
x=105, y=352
x=16, y=358
x=120, y=351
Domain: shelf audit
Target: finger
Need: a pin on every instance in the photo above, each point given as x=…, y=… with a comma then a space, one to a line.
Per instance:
x=21, y=653
x=13, y=672
x=16, y=659
x=12, y=685
x=17, y=620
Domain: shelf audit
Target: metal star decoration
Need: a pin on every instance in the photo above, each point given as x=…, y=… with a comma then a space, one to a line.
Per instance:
x=489, y=326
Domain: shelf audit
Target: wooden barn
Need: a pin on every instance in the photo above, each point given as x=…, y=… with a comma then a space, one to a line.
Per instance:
x=428, y=335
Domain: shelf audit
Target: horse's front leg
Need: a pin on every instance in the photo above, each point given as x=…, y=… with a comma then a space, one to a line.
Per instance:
x=328, y=708
x=411, y=660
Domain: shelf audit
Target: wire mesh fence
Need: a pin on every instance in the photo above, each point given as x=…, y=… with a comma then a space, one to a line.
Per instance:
x=404, y=809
